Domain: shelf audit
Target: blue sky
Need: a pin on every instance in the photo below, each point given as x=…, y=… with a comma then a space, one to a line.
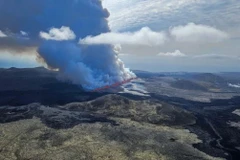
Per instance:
x=155, y=35
x=162, y=15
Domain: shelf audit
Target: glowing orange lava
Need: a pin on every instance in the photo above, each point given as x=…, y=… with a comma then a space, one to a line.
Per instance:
x=113, y=85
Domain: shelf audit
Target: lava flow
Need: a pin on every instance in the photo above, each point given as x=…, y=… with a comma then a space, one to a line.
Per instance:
x=113, y=85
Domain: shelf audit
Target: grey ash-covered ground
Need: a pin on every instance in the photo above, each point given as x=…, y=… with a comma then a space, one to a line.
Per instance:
x=43, y=118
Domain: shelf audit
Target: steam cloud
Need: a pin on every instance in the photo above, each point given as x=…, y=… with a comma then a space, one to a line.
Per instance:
x=55, y=27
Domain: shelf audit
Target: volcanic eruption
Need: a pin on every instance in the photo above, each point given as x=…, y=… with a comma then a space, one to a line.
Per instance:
x=54, y=27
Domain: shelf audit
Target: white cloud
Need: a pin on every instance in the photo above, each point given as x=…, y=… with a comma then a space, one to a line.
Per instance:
x=58, y=34
x=145, y=37
x=194, y=33
x=2, y=34
x=216, y=56
x=190, y=33
x=24, y=33
x=176, y=53
x=234, y=85
x=125, y=14
x=133, y=14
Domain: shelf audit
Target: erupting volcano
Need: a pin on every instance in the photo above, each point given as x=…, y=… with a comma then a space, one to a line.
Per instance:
x=113, y=85
x=52, y=29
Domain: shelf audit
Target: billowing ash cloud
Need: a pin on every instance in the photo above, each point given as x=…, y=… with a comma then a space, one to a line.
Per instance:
x=54, y=27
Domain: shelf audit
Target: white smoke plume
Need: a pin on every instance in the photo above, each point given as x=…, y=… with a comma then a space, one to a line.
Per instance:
x=53, y=26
